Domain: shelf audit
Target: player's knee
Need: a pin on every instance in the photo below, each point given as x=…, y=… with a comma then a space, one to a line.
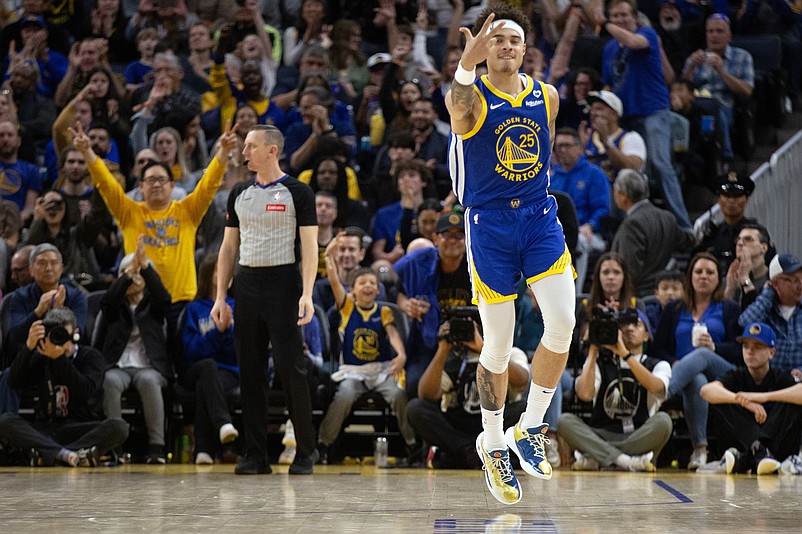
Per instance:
x=558, y=329
x=495, y=359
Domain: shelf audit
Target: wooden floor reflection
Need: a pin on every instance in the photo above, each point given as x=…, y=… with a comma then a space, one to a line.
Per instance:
x=183, y=498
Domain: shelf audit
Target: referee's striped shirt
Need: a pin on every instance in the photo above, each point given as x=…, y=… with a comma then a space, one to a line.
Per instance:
x=268, y=217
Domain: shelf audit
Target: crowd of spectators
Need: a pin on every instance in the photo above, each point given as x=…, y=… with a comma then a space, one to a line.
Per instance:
x=357, y=90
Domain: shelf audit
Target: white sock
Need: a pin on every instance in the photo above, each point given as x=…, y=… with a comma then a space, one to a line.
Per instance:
x=537, y=403
x=493, y=424
x=623, y=461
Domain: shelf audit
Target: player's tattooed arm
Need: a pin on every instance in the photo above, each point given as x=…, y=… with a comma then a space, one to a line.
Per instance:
x=462, y=98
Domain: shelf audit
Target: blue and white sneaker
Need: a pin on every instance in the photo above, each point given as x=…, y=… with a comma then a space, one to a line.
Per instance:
x=530, y=446
x=499, y=476
x=792, y=465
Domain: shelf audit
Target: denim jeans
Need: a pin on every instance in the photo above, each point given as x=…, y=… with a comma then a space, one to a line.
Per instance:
x=692, y=372
x=656, y=131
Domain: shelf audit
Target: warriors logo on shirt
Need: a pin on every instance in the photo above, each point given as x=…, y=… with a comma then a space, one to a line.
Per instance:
x=366, y=344
x=518, y=149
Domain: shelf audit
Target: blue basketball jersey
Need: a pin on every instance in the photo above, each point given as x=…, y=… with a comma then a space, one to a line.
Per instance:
x=362, y=333
x=505, y=157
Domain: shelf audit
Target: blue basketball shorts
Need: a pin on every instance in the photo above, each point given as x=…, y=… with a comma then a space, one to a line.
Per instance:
x=504, y=244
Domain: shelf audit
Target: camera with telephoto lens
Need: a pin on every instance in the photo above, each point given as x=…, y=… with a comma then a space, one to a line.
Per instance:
x=55, y=332
x=460, y=320
x=604, y=324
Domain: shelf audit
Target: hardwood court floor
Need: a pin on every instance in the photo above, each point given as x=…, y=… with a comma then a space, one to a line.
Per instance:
x=183, y=498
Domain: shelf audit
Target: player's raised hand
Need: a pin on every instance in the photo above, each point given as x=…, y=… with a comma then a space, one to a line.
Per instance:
x=477, y=47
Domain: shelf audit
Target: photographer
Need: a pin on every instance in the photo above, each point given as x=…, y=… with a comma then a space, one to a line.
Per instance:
x=626, y=388
x=68, y=380
x=431, y=279
x=447, y=413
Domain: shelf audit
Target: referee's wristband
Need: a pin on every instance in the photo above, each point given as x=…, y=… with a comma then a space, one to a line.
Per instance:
x=464, y=77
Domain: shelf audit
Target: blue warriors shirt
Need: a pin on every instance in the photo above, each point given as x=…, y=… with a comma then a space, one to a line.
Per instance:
x=362, y=333
x=507, y=151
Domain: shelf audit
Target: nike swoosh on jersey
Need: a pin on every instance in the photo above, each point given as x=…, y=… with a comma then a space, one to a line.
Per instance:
x=494, y=106
x=546, y=210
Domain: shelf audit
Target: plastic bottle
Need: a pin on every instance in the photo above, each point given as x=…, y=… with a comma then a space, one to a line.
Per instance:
x=380, y=454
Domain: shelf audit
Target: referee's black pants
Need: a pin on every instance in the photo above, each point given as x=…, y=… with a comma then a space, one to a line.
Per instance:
x=266, y=312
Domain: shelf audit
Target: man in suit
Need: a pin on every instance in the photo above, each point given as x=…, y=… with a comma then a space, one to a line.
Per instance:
x=648, y=236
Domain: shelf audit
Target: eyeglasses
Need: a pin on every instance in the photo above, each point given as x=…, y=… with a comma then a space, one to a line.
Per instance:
x=151, y=180
x=402, y=83
x=793, y=280
x=457, y=236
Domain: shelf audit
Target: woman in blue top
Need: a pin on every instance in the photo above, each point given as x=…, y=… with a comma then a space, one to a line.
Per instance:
x=713, y=353
x=208, y=365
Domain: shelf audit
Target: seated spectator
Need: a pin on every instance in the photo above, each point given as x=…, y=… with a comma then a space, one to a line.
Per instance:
x=606, y=143
x=756, y=409
x=669, y=286
x=10, y=226
x=726, y=71
x=396, y=97
x=108, y=21
x=701, y=160
x=421, y=224
x=368, y=116
x=74, y=184
x=85, y=55
x=697, y=335
x=400, y=147
x=20, y=268
x=779, y=305
x=626, y=386
x=587, y=186
x=67, y=378
x=132, y=340
x=430, y=280
x=138, y=71
x=32, y=46
x=198, y=62
x=347, y=59
x=49, y=226
x=648, y=237
x=574, y=107
x=749, y=271
x=172, y=22
x=110, y=106
x=35, y=112
x=349, y=255
x=31, y=302
x=20, y=181
x=250, y=89
x=310, y=29
x=256, y=45
x=718, y=237
x=332, y=175
x=678, y=37
x=414, y=183
x=367, y=333
x=316, y=106
x=446, y=414
x=208, y=366
x=168, y=145
x=431, y=146
x=142, y=159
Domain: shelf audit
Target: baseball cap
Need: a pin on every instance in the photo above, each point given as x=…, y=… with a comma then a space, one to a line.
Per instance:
x=379, y=59
x=448, y=221
x=783, y=264
x=31, y=19
x=760, y=332
x=734, y=183
x=608, y=98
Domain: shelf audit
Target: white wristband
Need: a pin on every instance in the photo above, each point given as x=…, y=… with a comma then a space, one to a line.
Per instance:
x=464, y=77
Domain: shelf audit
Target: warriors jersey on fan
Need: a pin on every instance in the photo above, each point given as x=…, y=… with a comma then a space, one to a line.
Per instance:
x=508, y=150
x=362, y=333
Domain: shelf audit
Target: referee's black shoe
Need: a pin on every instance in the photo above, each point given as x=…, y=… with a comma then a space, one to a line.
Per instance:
x=250, y=466
x=304, y=466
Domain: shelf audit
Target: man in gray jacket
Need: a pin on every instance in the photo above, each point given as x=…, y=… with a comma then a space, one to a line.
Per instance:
x=648, y=236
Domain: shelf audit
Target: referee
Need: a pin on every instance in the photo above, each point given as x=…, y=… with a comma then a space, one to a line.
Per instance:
x=271, y=221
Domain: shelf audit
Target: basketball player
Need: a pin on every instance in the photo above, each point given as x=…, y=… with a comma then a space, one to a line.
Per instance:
x=503, y=129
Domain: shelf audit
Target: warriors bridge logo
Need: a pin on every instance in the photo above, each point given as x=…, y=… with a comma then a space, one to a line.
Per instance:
x=518, y=149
